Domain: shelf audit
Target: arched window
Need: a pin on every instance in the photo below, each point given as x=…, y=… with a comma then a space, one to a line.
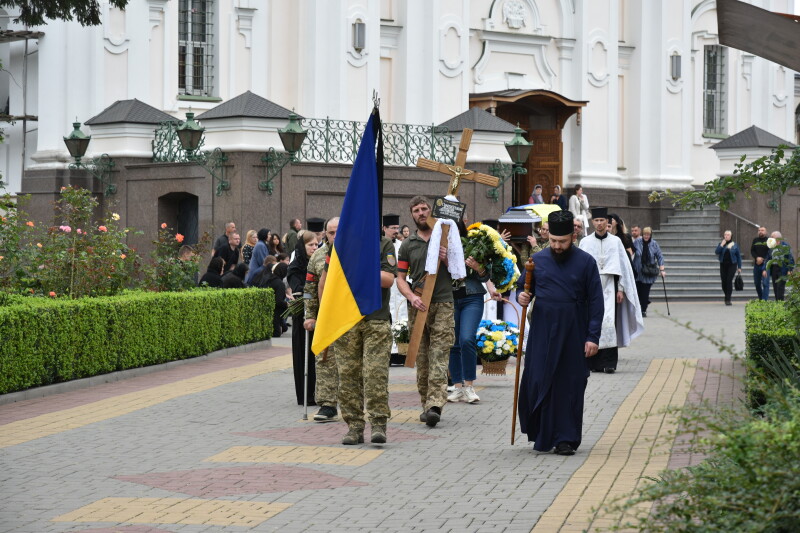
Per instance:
x=196, y=47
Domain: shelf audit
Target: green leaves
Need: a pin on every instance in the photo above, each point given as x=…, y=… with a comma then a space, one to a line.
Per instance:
x=36, y=13
x=775, y=173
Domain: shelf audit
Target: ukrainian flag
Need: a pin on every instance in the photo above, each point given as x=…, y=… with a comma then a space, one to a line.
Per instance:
x=353, y=284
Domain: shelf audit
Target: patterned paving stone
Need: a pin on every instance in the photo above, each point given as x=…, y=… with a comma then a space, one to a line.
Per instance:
x=124, y=529
x=320, y=434
x=296, y=454
x=175, y=511
x=218, y=482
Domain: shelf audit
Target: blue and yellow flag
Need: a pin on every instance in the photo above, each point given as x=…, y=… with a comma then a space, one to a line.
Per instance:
x=353, y=284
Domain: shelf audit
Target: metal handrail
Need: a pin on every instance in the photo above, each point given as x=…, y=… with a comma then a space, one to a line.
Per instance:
x=740, y=217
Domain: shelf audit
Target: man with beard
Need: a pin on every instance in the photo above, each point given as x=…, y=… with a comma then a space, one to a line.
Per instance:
x=759, y=253
x=622, y=319
x=565, y=332
x=434, y=349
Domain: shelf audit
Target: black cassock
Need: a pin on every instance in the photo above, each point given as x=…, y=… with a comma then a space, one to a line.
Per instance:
x=567, y=313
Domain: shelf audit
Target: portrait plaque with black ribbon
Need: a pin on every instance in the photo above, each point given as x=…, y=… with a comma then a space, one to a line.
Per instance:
x=444, y=208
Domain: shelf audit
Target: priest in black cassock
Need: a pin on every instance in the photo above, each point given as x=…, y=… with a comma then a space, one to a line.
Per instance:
x=565, y=331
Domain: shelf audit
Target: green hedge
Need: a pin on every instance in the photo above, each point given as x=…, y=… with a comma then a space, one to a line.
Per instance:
x=767, y=324
x=49, y=341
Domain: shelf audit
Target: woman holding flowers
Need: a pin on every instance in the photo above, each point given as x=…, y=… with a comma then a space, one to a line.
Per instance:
x=467, y=310
x=490, y=261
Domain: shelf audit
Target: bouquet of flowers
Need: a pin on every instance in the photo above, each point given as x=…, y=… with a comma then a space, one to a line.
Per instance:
x=487, y=248
x=497, y=340
x=400, y=332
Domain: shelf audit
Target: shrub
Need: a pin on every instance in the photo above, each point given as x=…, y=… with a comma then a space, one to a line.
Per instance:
x=769, y=331
x=47, y=340
x=748, y=481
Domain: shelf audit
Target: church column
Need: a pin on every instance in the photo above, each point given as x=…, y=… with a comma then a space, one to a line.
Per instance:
x=595, y=153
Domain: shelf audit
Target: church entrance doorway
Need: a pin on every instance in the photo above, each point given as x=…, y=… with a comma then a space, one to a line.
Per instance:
x=542, y=115
x=179, y=211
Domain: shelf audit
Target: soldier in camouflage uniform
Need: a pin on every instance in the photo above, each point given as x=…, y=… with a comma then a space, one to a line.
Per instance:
x=362, y=355
x=327, y=373
x=434, y=349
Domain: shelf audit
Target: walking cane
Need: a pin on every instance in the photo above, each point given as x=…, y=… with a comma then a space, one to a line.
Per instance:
x=305, y=380
x=664, y=284
x=528, y=274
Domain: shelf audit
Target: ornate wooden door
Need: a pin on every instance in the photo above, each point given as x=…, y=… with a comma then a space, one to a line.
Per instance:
x=544, y=166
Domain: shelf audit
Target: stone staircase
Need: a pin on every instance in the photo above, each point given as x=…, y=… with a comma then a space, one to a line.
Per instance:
x=688, y=241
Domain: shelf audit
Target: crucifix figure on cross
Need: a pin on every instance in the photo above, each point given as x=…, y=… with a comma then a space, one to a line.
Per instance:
x=457, y=174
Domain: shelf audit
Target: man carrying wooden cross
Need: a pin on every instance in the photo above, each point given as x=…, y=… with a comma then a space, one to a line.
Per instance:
x=431, y=297
x=434, y=348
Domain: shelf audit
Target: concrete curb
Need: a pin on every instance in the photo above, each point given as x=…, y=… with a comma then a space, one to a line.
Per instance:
x=78, y=384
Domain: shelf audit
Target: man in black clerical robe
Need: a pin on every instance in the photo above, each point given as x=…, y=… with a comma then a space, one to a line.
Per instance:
x=565, y=331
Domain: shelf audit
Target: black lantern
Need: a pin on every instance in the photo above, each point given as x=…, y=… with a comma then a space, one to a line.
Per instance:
x=293, y=135
x=190, y=133
x=518, y=148
x=77, y=142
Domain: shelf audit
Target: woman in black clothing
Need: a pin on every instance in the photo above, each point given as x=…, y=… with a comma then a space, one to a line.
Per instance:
x=296, y=276
x=618, y=228
x=213, y=276
x=730, y=263
x=275, y=245
x=234, y=279
x=273, y=279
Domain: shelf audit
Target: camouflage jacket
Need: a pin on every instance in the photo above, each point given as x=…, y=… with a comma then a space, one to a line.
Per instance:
x=316, y=265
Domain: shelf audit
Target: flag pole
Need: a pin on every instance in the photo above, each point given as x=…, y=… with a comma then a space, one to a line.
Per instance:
x=305, y=379
x=529, y=266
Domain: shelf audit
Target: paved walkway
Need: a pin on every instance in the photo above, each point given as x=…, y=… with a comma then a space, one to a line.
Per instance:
x=220, y=445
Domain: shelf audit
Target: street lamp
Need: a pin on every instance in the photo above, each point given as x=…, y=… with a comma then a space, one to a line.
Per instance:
x=99, y=167
x=292, y=137
x=518, y=149
x=190, y=135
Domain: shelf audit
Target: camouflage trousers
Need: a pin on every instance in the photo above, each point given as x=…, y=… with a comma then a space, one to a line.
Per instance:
x=362, y=356
x=327, y=379
x=434, y=354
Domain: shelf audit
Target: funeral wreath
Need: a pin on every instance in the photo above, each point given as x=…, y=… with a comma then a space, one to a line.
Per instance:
x=487, y=248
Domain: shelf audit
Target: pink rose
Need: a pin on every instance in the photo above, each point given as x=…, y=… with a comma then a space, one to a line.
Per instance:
x=65, y=229
x=29, y=223
x=122, y=256
x=179, y=237
x=163, y=225
x=79, y=231
x=52, y=294
x=103, y=228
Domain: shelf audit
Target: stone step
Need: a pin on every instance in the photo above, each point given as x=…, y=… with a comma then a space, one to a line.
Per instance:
x=698, y=220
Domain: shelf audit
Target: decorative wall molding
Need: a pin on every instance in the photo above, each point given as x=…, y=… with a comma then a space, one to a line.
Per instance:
x=509, y=15
x=504, y=42
x=747, y=70
x=566, y=48
x=116, y=44
x=674, y=86
x=390, y=39
x=244, y=18
x=354, y=57
x=157, y=14
x=624, y=54
x=598, y=72
x=450, y=67
x=779, y=94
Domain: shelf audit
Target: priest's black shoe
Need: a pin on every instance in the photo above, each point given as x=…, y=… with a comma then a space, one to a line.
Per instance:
x=563, y=448
x=609, y=370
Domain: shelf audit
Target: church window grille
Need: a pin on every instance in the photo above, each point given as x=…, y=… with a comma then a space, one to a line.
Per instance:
x=715, y=91
x=196, y=47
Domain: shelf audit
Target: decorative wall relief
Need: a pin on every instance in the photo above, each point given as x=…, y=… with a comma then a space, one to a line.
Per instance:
x=779, y=96
x=598, y=61
x=514, y=14
x=115, y=33
x=451, y=61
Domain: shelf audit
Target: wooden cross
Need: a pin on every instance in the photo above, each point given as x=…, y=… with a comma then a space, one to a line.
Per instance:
x=457, y=174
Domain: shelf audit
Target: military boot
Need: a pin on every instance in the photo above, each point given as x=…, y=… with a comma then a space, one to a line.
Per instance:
x=354, y=436
x=378, y=434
